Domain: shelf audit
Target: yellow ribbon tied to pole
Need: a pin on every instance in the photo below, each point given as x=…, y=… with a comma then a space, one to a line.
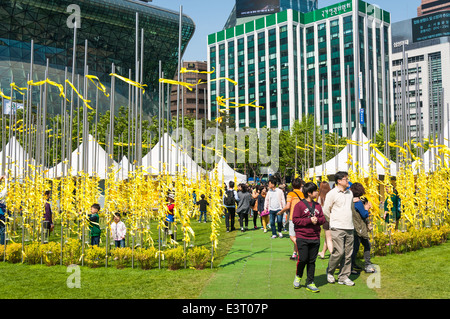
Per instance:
x=100, y=86
x=131, y=82
x=86, y=102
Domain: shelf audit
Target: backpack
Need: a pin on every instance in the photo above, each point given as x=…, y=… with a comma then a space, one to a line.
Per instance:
x=229, y=198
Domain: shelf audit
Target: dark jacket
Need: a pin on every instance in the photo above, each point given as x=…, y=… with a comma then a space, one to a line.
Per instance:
x=244, y=203
x=301, y=217
x=94, y=225
x=203, y=203
x=48, y=213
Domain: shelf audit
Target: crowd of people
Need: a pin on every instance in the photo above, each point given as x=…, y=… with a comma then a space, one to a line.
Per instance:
x=341, y=211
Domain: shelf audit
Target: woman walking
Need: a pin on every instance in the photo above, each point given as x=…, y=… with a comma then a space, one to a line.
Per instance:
x=324, y=188
x=243, y=208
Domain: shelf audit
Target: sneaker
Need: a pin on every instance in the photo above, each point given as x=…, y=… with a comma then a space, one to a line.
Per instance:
x=280, y=235
x=297, y=280
x=330, y=279
x=293, y=257
x=370, y=269
x=312, y=287
x=346, y=282
x=265, y=230
x=274, y=236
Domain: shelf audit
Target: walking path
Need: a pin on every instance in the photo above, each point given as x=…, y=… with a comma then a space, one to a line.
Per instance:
x=258, y=267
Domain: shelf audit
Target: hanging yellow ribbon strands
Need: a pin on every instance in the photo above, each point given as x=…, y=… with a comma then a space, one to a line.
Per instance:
x=85, y=101
x=131, y=82
x=99, y=86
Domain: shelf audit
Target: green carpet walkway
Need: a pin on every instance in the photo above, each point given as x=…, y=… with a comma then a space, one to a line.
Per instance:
x=258, y=267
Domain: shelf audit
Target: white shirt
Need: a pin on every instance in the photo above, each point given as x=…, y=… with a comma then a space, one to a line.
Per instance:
x=274, y=200
x=118, y=230
x=338, y=209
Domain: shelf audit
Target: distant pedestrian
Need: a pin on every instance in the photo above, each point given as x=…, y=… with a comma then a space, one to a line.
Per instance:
x=243, y=208
x=293, y=198
x=338, y=211
x=307, y=218
x=48, y=217
x=230, y=199
x=264, y=214
x=274, y=203
x=392, y=214
x=203, y=206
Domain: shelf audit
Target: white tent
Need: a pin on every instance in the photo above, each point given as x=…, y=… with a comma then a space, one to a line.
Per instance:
x=360, y=154
x=226, y=173
x=123, y=168
x=176, y=160
x=13, y=156
x=97, y=162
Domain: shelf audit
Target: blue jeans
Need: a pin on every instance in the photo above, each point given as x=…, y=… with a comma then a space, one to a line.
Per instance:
x=202, y=214
x=279, y=219
x=120, y=243
x=95, y=240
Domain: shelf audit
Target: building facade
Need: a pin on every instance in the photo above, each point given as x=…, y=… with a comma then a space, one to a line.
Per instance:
x=432, y=6
x=192, y=102
x=293, y=64
x=420, y=60
x=108, y=26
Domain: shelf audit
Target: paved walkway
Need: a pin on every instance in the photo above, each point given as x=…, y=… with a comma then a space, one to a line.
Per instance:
x=258, y=267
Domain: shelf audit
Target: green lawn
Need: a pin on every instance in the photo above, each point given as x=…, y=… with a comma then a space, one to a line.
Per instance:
x=248, y=265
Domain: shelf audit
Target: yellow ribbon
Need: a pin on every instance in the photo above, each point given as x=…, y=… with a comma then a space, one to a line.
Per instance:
x=100, y=86
x=131, y=82
x=86, y=102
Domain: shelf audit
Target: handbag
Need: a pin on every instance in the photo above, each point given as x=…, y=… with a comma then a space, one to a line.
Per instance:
x=264, y=213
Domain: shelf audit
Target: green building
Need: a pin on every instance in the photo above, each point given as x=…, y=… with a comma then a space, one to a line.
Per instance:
x=109, y=26
x=334, y=59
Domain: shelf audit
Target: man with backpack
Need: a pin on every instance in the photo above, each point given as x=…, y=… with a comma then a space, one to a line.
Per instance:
x=230, y=198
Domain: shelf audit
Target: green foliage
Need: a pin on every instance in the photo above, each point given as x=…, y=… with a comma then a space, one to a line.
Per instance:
x=33, y=253
x=95, y=256
x=14, y=253
x=147, y=258
x=71, y=252
x=51, y=253
x=121, y=256
x=199, y=257
x=401, y=242
x=175, y=257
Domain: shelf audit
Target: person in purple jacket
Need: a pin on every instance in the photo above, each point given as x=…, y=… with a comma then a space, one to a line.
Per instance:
x=307, y=218
x=48, y=217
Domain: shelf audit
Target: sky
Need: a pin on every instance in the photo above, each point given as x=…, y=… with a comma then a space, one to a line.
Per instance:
x=210, y=16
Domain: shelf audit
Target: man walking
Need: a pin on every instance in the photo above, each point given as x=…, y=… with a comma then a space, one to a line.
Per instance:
x=338, y=211
x=274, y=203
x=230, y=198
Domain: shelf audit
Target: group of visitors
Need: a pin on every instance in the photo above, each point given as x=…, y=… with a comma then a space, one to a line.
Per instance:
x=342, y=212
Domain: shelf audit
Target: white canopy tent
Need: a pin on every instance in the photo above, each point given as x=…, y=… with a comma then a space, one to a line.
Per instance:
x=97, y=162
x=360, y=154
x=176, y=160
x=13, y=157
x=227, y=174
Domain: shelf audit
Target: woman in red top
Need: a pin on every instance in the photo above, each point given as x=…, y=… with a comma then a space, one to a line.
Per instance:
x=307, y=218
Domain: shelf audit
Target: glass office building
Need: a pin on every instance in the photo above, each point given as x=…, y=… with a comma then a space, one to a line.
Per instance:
x=109, y=26
x=294, y=64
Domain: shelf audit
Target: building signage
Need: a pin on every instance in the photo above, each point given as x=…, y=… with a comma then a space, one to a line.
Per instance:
x=361, y=117
x=431, y=26
x=248, y=8
x=336, y=10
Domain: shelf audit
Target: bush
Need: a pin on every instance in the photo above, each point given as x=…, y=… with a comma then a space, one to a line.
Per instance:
x=51, y=253
x=147, y=258
x=174, y=257
x=95, y=256
x=14, y=253
x=72, y=252
x=199, y=257
x=122, y=256
x=33, y=253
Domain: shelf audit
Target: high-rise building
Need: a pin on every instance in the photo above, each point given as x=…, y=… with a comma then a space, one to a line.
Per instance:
x=420, y=60
x=247, y=10
x=295, y=64
x=193, y=101
x=432, y=6
x=108, y=27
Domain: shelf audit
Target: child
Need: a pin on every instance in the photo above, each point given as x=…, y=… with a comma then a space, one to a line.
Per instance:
x=307, y=218
x=203, y=203
x=94, y=225
x=170, y=216
x=118, y=231
x=48, y=221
